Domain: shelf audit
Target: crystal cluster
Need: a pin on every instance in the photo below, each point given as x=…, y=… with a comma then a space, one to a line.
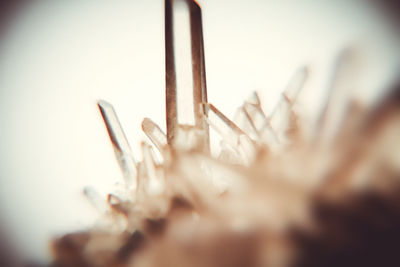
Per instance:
x=282, y=191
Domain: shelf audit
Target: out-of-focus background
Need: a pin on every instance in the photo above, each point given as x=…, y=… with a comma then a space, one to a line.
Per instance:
x=58, y=57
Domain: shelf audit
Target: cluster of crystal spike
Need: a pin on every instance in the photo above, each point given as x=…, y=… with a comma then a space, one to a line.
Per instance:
x=269, y=169
x=242, y=139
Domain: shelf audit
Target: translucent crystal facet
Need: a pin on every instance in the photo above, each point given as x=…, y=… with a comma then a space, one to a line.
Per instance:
x=230, y=132
x=96, y=200
x=120, y=144
x=250, y=204
x=154, y=183
x=280, y=118
x=185, y=72
x=155, y=134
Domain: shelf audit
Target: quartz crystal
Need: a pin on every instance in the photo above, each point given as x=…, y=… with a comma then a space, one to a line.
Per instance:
x=277, y=194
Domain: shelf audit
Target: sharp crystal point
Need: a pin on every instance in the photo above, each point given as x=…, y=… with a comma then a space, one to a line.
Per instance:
x=96, y=199
x=254, y=99
x=155, y=134
x=229, y=131
x=296, y=84
x=280, y=117
x=256, y=116
x=342, y=75
x=113, y=199
x=121, y=146
x=114, y=127
x=185, y=70
x=243, y=120
x=222, y=124
x=153, y=183
x=252, y=119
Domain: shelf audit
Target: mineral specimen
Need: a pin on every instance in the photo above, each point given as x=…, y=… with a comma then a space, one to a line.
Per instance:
x=281, y=192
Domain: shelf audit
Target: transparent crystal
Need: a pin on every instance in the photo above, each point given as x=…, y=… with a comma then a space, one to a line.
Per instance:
x=265, y=180
x=254, y=112
x=185, y=73
x=281, y=117
x=120, y=144
x=96, y=200
x=152, y=181
x=155, y=134
x=231, y=133
x=337, y=97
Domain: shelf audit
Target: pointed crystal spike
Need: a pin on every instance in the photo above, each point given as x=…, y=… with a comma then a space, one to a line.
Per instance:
x=113, y=200
x=296, y=84
x=185, y=71
x=231, y=133
x=117, y=204
x=336, y=99
x=254, y=99
x=243, y=120
x=280, y=117
x=96, y=200
x=260, y=123
x=120, y=144
x=154, y=184
x=252, y=119
x=228, y=130
x=155, y=134
x=255, y=113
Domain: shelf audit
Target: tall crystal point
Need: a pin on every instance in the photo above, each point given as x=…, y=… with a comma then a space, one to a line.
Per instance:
x=120, y=144
x=155, y=134
x=185, y=75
